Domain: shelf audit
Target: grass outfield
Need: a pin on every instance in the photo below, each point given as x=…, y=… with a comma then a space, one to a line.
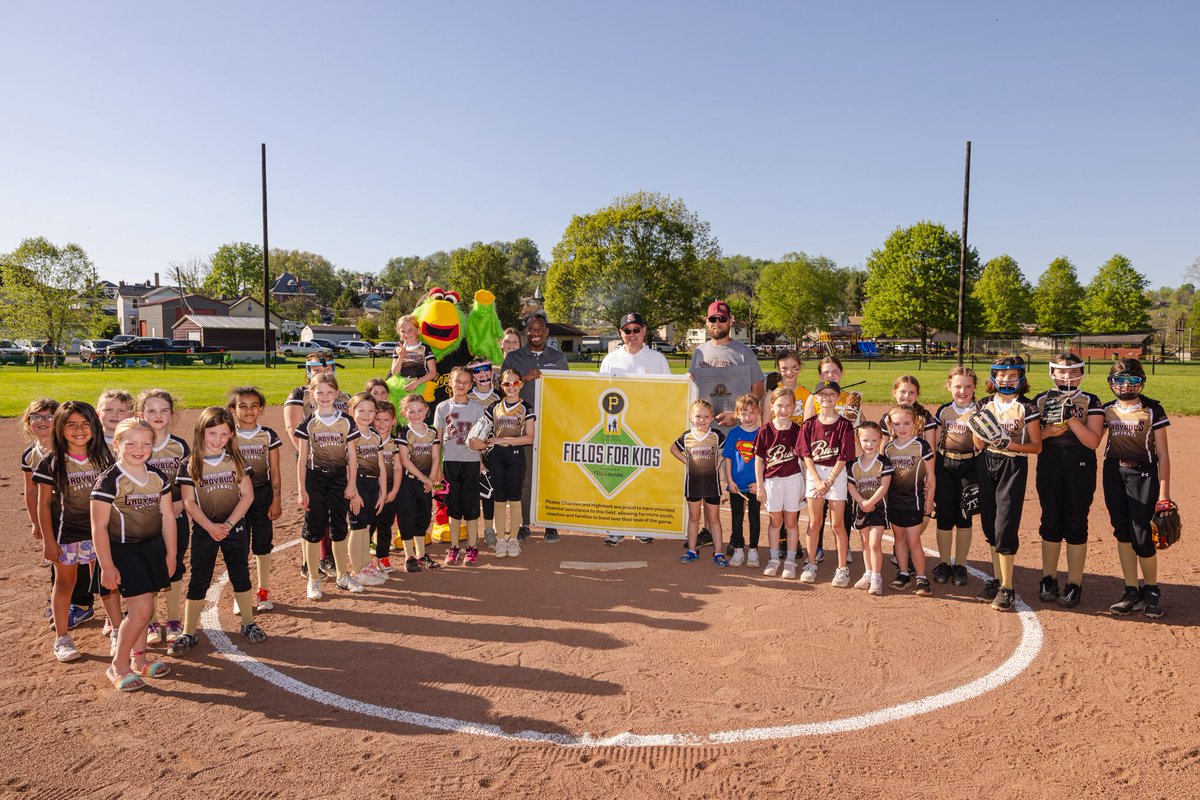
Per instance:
x=1176, y=385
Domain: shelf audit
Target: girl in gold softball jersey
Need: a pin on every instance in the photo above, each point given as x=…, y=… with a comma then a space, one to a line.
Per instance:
x=217, y=491
x=133, y=532
x=1004, y=473
x=910, y=494
x=259, y=447
x=371, y=488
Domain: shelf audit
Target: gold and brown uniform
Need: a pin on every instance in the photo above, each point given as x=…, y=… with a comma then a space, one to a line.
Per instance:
x=32, y=456
x=1083, y=406
x=1066, y=474
x=508, y=421
x=1131, y=483
x=1003, y=475
x=954, y=434
x=136, y=505
x=388, y=448
x=703, y=454
x=1014, y=417
x=1131, y=431
x=419, y=446
x=255, y=446
x=70, y=508
x=414, y=360
x=911, y=464
x=366, y=450
x=301, y=396
x=867, y=478
x=219, y=490
x=167, y=457
x=328, y=440
x=218, y=494
x=954, y=467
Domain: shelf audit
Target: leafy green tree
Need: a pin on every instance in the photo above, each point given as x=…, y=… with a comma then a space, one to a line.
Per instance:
x=368, y=327
x=1004, y=295
x=856, y=289
x=799, y=294
x=486, y=266
x=236, y=270
x=1057, y=298
x=50, y=292
x=391, y=310
x=300, y=309
x=1116, y=300
x=314, y=268
x=912, y=283
x=345, y=302
x=410, y=277
x=645, y=252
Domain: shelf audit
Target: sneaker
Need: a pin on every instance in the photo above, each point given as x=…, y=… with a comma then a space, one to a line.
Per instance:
x=411, y=564
x=349, y=583
x=1005, y=599
x=314, y=590
x=809, y=573
x=263, y=601
x=154, y=633
x=772, y=568
x=720, y=560
x=173, y=630
x=551, y=536
x=923, y=589
x=77, y=615
x=370, y=577
x=645, y=539
x=902, y=580
x=328, y=568
x=752, y=558
x=472, y=556
x=941, y=573
x=876, y=585
x=739, y=558
x=864, y=582
x=1071, y=595
x=65, y=650
x=841, y=578
x=820, y=554
x=789, y=569
x=452, y=556
x=958, y=575
x=612, y=540
x=1130, y=601
x=385, y=565
x=253, y=633
x=304, y=569
x=1153, y=598
x=729, y=550
x=183, y=645
x=501, y=548
x=112, y=643
x=514, y=549
x=1048, y=592
x=689, y=557
x=704, y=538
x=988, y=593
x=489, y=537
x=522, y=533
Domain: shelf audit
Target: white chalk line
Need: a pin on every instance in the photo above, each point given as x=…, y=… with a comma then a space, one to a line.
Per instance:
x=1024, y=654
x=603, y=566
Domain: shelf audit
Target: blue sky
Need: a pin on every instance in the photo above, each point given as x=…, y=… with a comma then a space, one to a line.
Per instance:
x=400, y=129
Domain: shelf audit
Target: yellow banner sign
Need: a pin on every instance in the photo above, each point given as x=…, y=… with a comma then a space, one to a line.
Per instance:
x=602, y=453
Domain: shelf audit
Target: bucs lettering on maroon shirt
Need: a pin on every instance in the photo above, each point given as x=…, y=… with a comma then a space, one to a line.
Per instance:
x=328, y=440
x=255, y=446
x=218, y=492
x=167, y=457
x=1131, y=431
x=827, y=444
x=702, y=452
x=509, y=420
x=136, y=511
x=867, y=478
x=777, y=449
x=71, y=509
x=1083, y=406
x=1014, y=417
x=420, y=446
x=301, y=396
x=366, y=450
x=911, y=463
x=954, y=434
x=414, y=359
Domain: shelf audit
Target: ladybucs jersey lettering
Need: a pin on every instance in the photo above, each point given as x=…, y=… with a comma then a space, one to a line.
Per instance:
x=255, y=446
x=167, y=458
x=508, y=421
x=420, y=446
x=218, y=491
x=136, y=512
x=70, y=510
x=328, y=439
x=868, y=477
x=366, y=450
x=1014, y=417
x=1131, y=430
x=911, y=464
x=703, y=454
x=954, y=434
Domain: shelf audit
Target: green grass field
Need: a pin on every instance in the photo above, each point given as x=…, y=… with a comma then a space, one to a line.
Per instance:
x=1176, y=385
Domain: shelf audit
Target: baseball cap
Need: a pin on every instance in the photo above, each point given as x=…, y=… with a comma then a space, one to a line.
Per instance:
x=632, y=318
x=823, y=385
x=719, y=307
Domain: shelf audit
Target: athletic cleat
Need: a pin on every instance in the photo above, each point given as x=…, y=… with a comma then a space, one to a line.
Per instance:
x=772, y=568
x=262, y=601
x=551, y=536
x=1153, y=598
x=941, y=573
x=501, y=548
x=729, y=550
x=514, y=549
x=253, y=633
x=489, y=537
x=988, y=593
x=65, y=650
x=427, y=562
x=412, y=565
x=704, y=538
x=876, y=585
x=173, y=630
x=1130, y=601
x=183, y=645
x=645, y=539
x=348, y=583
x=370, y=577
x=451, y=556
x=958, y=575
x=1048, y=591
x=612, y=540
x=328, y=568
x=1005, y=599
x=809, y=573
x=385, y=565
x=864, y=582
x=689, y=557
x=522, y=533
x=789, y=569
x=1071, y=595
x=472, y=556
x=304, y=569
x=720, y=560
x=923, y=588
x=902, y=580
x=77, y=615
x=314, y=590
x=841, y=578
x=820, y=554
x=739, y=558
x=752, y=558
x=154, y=634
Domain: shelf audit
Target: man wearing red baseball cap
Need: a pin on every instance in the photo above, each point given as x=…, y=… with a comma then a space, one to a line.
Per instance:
x=723, y=368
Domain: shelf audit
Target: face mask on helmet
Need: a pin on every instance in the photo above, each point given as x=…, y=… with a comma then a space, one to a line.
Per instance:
x=1069, y=382
x=1007, y=385
x=1126, y=386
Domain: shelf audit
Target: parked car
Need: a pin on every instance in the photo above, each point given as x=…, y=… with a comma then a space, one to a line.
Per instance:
x=121, y=338
x=331, y=346
x=663, y=347
x=302, y=349
x=88, y=348
x=384, y=348
x=357, y=347
x=138, y=345
x=12, y=353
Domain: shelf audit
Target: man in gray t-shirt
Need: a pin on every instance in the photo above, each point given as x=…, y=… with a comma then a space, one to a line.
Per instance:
x=724, y=369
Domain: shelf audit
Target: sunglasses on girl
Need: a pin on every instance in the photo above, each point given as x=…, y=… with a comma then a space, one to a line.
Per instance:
x=510, y=384
x=477, y=370
x=1127, y=380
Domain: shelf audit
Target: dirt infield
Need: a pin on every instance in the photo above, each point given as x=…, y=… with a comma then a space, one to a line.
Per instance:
x=518, y=646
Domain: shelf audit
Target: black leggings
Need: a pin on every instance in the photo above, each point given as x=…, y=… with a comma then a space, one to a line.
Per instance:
x=738, y=504
x=414, y=508
x=508, y=473
x=234, y=548
x=1002, y=482
x=262, y=531
x=953, y=476
x=1066, y=484
x=381, y=529
x=327, y=505
x=1131, y=494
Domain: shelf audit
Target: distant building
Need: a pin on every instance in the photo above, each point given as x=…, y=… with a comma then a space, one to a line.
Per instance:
x=232, y=333
x=158, y=318
x=335, y=333
x=128, y=298
x=251, y=308
x=287, y=287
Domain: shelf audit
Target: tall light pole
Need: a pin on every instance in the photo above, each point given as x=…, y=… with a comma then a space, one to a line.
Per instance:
x=962, y=256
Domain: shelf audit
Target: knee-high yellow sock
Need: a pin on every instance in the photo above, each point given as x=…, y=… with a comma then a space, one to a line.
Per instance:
x=1149, y=569
x=418, y=546
x=357, y=548
x=174, y=593
x=312, y=557
x=514, y=517
x=995, y=564
x=263, y=566
x=191, y=615
x=341, y=557
x=455, y=525
x=1050, y=555
x=962, y=545
x=245, y=604
x=1129, y=563
x=1076, y=556
x=472, y=532
x=944, y=540
x=1006, y=570
x=409, y=548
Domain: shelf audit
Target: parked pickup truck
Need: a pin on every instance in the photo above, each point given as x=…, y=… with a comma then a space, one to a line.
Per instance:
x=148, y=347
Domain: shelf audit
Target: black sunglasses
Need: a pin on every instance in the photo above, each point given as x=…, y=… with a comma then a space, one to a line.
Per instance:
x=630, y=331
x=715, y=318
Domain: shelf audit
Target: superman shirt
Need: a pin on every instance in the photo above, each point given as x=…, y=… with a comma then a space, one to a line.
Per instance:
x=739, y=449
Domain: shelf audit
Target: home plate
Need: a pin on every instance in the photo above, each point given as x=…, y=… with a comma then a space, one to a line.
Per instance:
x=602, y=566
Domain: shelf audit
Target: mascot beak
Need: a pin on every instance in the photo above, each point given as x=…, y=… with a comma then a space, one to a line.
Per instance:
x=440, y=323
